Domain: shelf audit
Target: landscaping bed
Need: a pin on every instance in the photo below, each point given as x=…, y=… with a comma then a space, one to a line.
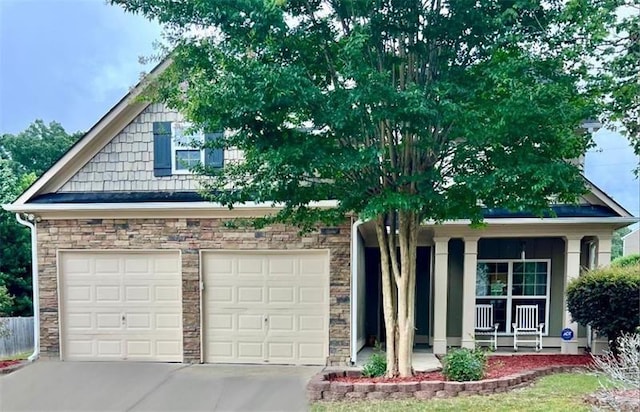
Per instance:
x=498, y=366
x=503, y=373
x=9, y=366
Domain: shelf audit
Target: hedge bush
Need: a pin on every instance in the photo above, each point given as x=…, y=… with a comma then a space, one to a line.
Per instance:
x=624, y=261
x=464, y=365
x=607, y=299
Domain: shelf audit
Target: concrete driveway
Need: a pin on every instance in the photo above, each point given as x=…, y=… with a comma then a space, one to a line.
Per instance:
x=129, y=386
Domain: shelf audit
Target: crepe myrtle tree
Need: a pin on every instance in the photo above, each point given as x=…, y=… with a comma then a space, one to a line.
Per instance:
x=400, y=111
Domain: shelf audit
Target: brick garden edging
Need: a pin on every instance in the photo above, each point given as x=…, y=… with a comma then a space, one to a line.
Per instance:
x=321, y=386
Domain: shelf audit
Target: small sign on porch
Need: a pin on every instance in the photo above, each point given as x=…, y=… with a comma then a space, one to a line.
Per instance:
x=566, y=334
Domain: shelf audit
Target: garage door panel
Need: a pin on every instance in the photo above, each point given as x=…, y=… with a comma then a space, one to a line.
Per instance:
x=250, y=267
x=122, y=309
x=109, y=347
x=108, y=294
x=80, y=321
x=312, y=295
x=310, y=351
x=311, y=323
x=281, y=294
x=79, y=294
x=169, y=321
x=250, y=350
x=222, y=294
x=258, y=307
x=282, y=323
x=249, y=295
x=167, y=293
x=281, y=351
x=283, y=266
x=248, y=323
x=140, y=294
x=108, y=321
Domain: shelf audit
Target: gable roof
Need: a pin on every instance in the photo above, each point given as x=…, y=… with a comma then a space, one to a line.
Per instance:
x=128, y=109
x=109, y=125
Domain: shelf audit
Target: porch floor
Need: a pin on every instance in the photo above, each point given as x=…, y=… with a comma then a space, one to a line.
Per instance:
x=423, y=359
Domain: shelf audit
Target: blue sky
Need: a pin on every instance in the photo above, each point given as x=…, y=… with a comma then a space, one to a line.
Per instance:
x=72, y=60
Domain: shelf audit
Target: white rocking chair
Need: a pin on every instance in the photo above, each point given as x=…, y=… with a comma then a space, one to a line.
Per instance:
x=485, y=325
x=526, y=324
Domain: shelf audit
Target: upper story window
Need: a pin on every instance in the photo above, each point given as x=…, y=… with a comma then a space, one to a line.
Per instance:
x=185, y=149
x=176, y=152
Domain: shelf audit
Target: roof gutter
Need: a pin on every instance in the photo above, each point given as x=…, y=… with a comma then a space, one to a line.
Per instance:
x=150, y=206
x=34, y=280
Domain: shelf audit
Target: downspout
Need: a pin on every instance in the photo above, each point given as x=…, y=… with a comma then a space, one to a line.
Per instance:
x=354, y=291
x=34, y=280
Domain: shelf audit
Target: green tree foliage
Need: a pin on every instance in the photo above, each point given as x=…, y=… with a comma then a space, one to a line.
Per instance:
x=607, y=299
x=15, y=241
x=400, y=110
x=616, y=242
x=6, y=301
x=23, y=157
x=36, y=148
x=618, y=60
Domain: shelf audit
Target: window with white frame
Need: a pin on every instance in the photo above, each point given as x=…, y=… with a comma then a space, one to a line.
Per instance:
x=506, y=284
x=186, y=151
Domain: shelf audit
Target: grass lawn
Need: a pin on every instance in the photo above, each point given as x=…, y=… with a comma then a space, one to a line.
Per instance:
x=18, y=356
x=560, y=392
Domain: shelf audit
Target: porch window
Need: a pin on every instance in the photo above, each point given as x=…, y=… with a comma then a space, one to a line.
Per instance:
x=506, y=284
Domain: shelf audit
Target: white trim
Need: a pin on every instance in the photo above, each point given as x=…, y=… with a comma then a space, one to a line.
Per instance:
x=509, y=296
x=128, y=107
x=175, y=146
x=606, y=199
x=354, y=291
x=535, y=220
x=148, y=206
x=262, y=206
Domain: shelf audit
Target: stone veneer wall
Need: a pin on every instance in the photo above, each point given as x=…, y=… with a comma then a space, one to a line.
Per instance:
x=189, y=236
x=126, y=163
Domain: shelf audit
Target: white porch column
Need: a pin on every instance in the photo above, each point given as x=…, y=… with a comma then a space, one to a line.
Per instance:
x=469, y=292
x=604, y=250
x=441, y=274
x=572, y=271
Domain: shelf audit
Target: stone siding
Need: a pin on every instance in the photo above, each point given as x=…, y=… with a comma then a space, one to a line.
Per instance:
x=126, y=162
x=189, y=236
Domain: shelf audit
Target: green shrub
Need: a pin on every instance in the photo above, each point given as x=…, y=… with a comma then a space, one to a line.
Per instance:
x=464, y=365
x=607, y=299
x=376, y=365
x=624, y=261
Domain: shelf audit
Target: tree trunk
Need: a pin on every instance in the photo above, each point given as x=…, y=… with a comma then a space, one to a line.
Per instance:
x=388, y=301
x=398, y=288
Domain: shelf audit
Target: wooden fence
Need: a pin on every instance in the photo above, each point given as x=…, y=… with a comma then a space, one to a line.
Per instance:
x=19, y=338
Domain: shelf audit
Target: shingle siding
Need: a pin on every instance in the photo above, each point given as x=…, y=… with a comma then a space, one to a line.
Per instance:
x=126, y=163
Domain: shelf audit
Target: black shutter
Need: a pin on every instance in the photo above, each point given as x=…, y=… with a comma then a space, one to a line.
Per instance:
x=213, y=157
x=162, y=149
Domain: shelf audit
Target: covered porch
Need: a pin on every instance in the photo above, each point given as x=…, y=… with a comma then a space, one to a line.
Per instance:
x=508, y=263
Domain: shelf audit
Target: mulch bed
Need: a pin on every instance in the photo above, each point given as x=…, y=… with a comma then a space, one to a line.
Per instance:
x=498, y=366
x=6, y=364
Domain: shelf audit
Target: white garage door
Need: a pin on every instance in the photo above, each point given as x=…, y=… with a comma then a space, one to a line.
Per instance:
x=266, y=307
x=121, y=306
